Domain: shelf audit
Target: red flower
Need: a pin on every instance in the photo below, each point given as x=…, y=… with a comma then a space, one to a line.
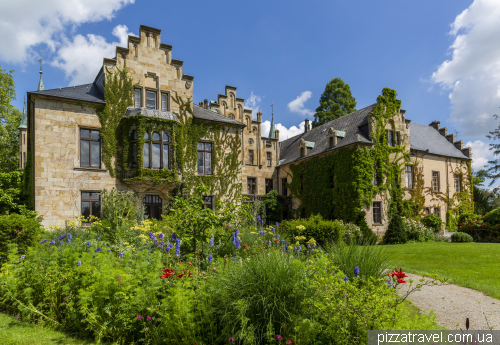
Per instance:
x=179, y=275
x=168, y=272
x=276, y=240
x=245, y=245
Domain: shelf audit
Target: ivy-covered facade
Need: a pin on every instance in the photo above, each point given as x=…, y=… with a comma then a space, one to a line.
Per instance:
x=136, y=127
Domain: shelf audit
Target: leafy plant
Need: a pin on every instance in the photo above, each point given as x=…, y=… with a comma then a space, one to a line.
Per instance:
x=461, y=237
x=433, y=222
x=20, y=231
x=493, y=217
x=336, y=101
x=416, y=231
x=395, y=232
x=119, y=211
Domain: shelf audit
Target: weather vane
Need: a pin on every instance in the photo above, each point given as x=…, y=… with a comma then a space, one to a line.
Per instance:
x=272, y=108
x=40, y=63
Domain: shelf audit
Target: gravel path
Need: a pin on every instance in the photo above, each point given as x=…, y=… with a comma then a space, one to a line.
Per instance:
x=452, y=304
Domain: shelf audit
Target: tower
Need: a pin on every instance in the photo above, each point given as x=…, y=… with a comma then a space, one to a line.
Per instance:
x=40, y=83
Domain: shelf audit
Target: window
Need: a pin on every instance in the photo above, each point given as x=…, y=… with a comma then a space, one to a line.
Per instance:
x=152, y=207
x=151, y=100
x=155, y=153
x=269, y=159
x=208, y=202
x=137, y=98
x=390, y=138
x=437, y=211
x=435, y=181
x=397, y=139
x=284, y=190
x=375, y=177
x=427, y=210
x=252, y=185
x=204, y=158
x=24, y=159
x=250, y=157
x=24, y=139
x=269, y=185
x=90, y=148
x=331, y=142
x=377, y=212
x=409, y=176
x=91, y=204
x=458, y=183
x=164, y=102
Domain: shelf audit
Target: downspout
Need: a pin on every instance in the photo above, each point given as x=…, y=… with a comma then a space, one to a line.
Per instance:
x=31, y=126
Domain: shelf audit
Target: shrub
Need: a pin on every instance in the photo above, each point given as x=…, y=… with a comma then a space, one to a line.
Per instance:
x=493, y=217
x=396, y=231
x=19, y=230
x=465, y=217
x=461, y=237
x=433, y=222
x=416, y=231
x=372, y=261
x=368, y=236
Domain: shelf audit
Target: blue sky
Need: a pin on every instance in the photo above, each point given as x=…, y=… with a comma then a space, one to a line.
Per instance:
x=441, y=56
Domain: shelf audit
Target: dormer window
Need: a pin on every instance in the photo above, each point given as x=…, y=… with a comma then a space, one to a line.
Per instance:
x=332, y=137
x=302, y=152
x=331, y=142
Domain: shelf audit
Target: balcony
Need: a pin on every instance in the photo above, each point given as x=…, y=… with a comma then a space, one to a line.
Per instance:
x=159, y=114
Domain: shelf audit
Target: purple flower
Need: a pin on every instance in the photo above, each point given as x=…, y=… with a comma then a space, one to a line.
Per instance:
x=262, y=232
x=299, y=248
x=234, y=239
x=168, y=247
x=61, y=237
x=108, y=250
x=278, y=237
x=236, y=231
x=139, y=317
x=237, y=245
x=79, y=263
x=178, y=247
x=148, y=319
x=211, y=243
x=269, y=243
x=346, y=278
x=356, y=271
x=162, y=243
x=173, y=236
x=121, y=254
x=234, y=259
x=258, y=217
x=44, y=241
x=151, y=236
x=160, y=236
x=231, y=340
x=22, y=256
x=308, y=246
x=70, y=236
x=273, y=231
x=156, y=242
x=98, y=238
x=52, y=242
x=210, y=257
x=61, y=242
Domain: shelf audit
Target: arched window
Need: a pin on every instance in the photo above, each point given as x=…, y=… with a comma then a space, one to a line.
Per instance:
x=224, y=105
x=231, y=116
x=24, y=159
x=156, y=154
x=231, y=100
x=240, y=112
x=248, y=122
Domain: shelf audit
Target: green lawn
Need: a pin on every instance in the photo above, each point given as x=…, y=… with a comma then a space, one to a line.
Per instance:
x=474, y=265
x=14, y=332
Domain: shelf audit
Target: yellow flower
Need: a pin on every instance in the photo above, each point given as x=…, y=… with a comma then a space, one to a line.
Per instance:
x=301, y=227
x=312, y=242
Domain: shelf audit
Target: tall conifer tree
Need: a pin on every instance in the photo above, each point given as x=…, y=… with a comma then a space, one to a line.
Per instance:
x=336, y=101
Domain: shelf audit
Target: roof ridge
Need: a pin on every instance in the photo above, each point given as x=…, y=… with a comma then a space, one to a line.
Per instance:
x=67, y=87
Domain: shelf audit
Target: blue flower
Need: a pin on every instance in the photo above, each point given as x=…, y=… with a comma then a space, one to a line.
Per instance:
x=162, y=243
x=308, y=246
x=98, y=238
x=88, y=244
x=151, y=236
x=269, y=243
x=277, y=224
x=121, y=254
x=278, y=237
x=390, y=283
x=178, y=247
x=173, y=236
x=61, y=237
x=262, y=232
x=156, y=242
x=22, y=256
x=70, y=236
x=52, y=242
x=160, y=236
x=346, y=278
x=234, y=259
x=69, y=241
x=299, y=248
x=168, y=247
x=356, y=271
x=273, y=231
x=234, y=239
x=79, y=263
x=108, y=250
x=211, y=243
x=210, y=257
x=236, y=231
x=258, y=218
x=237, y=245
x=44, y=241
x=61, y=242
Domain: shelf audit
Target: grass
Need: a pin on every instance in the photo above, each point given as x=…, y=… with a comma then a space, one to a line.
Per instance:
x=473, y=265
x=15, y=332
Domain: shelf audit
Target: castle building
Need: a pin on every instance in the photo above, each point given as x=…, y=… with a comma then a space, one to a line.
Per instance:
x=162, y=140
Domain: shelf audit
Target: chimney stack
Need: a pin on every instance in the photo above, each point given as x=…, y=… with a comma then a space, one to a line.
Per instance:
x=306, y=127
x=259, y=117
x=435, y=124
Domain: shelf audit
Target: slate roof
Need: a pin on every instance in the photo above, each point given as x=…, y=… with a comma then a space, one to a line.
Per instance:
x=208, y=115
x=86, y=92
x=354, y=124
x=428, y=138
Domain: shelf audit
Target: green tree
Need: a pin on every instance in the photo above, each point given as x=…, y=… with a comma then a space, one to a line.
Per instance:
x=10, y=118
x=484, y=200
x=335, y=102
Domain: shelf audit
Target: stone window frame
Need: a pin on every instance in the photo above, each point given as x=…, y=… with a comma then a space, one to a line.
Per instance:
x=204, y=151
x=409, y=172
x=149, y=200
x=269, y=185
x=208, y=202
x=252, y=181
x=393, y=138
x=377, y=212
x=269, y=158
x=437, y=211
x=140, y=97
x=458, y=183
x=153, y=91
x=90, y=129
x=166, y=93
x=90, y=200
x=251, y=157
x=435, y=182
x=150, y=141
x=284, y=189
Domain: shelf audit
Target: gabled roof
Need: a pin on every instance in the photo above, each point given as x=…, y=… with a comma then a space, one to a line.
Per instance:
x=208, y=115
x=425, y=138
x=355, y=126
x=86, y=93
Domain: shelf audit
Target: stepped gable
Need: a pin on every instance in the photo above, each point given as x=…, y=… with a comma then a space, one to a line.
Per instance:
x=355, y=126
x=86, y=92
x=437, y=141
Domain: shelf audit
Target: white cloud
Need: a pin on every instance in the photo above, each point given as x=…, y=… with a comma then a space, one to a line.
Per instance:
x=252, y=103
x=285, y=132
x=24, y=24
x=297, y=105
x=473, y=72
x=481, y=154
x=81, y=58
